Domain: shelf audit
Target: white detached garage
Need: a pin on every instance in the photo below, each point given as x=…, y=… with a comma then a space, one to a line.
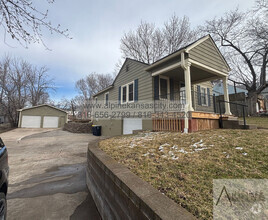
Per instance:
x=42, y=116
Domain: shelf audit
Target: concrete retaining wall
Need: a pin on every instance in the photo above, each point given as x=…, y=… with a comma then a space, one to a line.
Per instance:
x=120, y=194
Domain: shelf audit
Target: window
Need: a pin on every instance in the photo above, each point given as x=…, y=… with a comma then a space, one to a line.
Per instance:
x=106, y=98
x=96, y=99
x=127, y=93
x=130, y=92
x=203, y=96
x=163, y=87
x=124, y=94
x=182, y=93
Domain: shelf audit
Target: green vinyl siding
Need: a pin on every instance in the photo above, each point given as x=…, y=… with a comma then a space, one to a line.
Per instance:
x=196, y=105
x=207, y=54
x=113, y=127
x=135, y=71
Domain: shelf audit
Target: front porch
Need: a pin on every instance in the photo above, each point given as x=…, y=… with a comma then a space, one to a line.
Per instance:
x=183, y=89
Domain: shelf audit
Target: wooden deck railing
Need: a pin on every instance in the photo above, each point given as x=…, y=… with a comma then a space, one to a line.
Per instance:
x=168, y=122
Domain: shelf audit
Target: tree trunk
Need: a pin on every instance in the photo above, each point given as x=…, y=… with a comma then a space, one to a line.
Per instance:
x=252, y=101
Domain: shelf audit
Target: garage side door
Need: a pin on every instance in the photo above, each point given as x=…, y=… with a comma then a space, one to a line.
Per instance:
x=130, y=124
x=50, y=122
x=31, y=121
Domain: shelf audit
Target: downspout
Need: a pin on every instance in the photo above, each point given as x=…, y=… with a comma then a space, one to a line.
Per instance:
x=186, y=118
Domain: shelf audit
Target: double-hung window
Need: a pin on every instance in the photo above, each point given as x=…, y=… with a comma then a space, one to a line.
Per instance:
x=106, y=98
x=130, y=92
x=127, y=93
x=203, y=96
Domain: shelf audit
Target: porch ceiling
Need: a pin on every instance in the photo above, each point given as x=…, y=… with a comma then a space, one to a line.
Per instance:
x=197, y=75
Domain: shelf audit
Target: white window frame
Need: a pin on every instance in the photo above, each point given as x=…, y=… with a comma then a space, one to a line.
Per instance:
x=206, y=95
x=106, y=93
x=127, y=92
x=168, y=87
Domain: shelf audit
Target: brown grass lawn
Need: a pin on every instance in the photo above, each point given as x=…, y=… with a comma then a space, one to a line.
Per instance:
x=259, y=121
x=183, y=166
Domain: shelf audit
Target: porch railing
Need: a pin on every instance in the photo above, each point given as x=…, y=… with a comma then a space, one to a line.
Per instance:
x=171, y=102
x=176, y=102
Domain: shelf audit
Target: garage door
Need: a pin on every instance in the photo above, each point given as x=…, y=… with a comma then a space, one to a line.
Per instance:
x=130, y=124
x=50, y=122
x=31, y=121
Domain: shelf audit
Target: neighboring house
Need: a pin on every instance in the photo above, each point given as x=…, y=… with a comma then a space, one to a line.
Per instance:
x=42, y=116
x=218, y=89
x=182, y=79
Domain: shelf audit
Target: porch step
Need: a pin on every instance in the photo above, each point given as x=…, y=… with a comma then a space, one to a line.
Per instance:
x=236, y=124
x=248, y=126
x=230, y=118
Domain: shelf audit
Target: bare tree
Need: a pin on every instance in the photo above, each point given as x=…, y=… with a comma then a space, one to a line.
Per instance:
x=38, y=84
x=19, y=89
x=243, y=37
x=13, y=84
x=148, y=43
x=93, y=83
x=177, y=32
x=89, y=86
x=25, y=23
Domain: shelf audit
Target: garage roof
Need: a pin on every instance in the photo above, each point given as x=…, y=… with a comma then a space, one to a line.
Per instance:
x=38, y=106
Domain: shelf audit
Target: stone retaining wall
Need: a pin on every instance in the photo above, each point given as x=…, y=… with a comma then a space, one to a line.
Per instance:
x=120, y=194
x=75, y=127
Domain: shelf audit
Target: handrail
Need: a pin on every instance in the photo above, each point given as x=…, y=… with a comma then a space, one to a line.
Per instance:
x=233, y=103
x=244, y=117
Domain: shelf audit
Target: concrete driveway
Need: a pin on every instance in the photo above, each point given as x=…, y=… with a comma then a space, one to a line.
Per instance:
x=47, y=175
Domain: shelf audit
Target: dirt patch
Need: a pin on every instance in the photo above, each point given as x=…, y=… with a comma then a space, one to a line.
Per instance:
x=75, y=127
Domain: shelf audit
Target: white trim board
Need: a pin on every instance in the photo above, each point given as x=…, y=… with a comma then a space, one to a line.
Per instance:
x=207, y=68
x=166, y=69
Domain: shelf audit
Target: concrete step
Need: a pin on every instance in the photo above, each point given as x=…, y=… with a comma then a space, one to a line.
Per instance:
x=248, y=126
x=230, y=118
x=232, y=124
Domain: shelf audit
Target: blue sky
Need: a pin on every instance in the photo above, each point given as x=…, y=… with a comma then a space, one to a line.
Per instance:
x=96, y=28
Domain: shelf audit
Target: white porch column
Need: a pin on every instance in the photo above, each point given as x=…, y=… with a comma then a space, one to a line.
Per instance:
x=188, y=94
x=188, y=86
x=226, y=95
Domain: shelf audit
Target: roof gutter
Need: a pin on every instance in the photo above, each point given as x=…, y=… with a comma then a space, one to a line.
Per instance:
x=109, y=87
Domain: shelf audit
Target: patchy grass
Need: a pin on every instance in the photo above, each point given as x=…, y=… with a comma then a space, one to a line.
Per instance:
x=183, y=166
x=261, y=122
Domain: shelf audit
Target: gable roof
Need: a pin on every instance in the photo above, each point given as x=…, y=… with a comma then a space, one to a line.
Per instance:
x=187, y=48
x=38, y=106
x=112, y=85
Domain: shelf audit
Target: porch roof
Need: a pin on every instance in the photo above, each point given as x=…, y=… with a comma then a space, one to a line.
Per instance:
x=207, y=63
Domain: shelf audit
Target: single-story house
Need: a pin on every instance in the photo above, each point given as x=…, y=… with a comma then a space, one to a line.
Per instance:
x=42, y=116
x=172, y=94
